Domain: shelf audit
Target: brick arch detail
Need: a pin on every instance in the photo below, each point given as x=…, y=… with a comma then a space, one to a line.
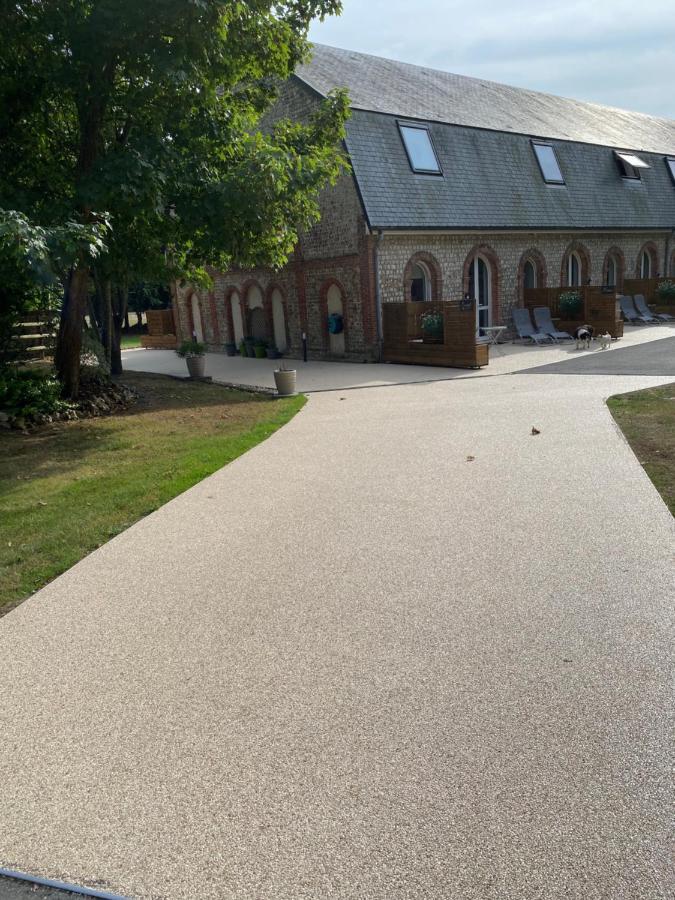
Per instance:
x=620, y=257
x=431, y=263
x=323, y=306
x=653, y=251
x=538, y=258
x=584, y=255
x=488, y=254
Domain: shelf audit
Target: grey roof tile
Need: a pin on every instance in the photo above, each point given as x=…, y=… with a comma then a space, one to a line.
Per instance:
x=387, y=86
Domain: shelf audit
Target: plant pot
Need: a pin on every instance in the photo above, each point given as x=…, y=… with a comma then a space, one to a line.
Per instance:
x=432, y=336
x=230, y=349
x=250, y=347
x=285, y=380
x=196, y=366
x=260, y=352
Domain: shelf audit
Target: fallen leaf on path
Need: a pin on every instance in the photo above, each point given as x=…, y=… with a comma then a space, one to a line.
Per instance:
x=535, y=430
x=470, y=458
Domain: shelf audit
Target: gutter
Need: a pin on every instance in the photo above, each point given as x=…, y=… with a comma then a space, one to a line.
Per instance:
x=378, y=293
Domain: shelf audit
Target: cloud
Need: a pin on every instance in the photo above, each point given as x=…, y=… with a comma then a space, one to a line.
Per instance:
x=615, y=52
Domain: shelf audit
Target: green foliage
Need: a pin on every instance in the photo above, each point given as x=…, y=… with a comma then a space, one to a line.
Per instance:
x=570, y=304
x=666, y=290
x=191, y=348
x=432, y=322
x=28, y=393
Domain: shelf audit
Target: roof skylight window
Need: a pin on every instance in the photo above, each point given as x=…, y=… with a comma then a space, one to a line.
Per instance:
x=630, y=164
x=548, y=163
x=421, y=154
x=670, y=162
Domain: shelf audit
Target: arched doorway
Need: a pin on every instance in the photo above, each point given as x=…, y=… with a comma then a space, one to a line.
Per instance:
x=279, y=321
x=480, y=288
x=257, y=325
x=197, y=318
x=573, y=269
x=336, y=342
x=529, y=274
x=237, y=318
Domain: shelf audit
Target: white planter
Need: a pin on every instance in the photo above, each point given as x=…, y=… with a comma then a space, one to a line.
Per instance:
x=196, y=366
x=285, y=380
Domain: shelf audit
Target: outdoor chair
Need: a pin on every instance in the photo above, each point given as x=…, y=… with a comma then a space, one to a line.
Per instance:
x=524, y=328
x=644, y=310
x=629, y=311
x=544, y=323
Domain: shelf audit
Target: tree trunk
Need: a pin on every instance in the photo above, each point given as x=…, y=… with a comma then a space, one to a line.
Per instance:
x=70, y=332
x=119, y=313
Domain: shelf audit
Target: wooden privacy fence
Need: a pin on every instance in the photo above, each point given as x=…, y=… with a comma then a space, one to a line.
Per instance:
x=600, y=310
x=36, y=337
x=451, y=343
x=647, y=287
x=161, y=330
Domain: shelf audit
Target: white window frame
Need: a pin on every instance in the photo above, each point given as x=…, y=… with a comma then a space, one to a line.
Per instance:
x=530, y=262
x=613, y=262
x=473, y=290
x=645, y=257
x=427, y=281
x=573, y=255
x=416, y=126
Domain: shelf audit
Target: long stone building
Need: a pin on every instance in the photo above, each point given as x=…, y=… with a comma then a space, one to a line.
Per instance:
x=458, y=186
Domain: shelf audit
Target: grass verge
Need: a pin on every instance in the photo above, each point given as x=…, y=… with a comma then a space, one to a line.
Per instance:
x=128, y=341
x=647, y=419
x=71, y=487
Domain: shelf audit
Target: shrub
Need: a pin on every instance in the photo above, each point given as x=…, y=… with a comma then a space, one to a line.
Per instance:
x=191, y=348
x=27, y=394
x=570, y=304
x=666, y=290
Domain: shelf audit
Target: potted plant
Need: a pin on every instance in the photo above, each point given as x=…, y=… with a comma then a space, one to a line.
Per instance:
x=665, y=291
x=285, y=380
x=273, y=352
x=260, y=348
x=230, y=348
x=432, y=327
x=250, y=346
x=570, y=304
x=193, y=352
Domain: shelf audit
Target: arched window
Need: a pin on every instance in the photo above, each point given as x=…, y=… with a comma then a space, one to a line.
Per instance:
x=420, y=284
x=573, y=270
x=610, y=276
x=529, y=274
x=480, y=288
x=645, y=265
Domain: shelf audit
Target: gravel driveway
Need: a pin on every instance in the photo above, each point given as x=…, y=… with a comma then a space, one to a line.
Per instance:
x=403, y=649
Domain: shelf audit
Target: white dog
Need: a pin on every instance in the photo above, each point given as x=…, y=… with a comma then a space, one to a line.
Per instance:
x=605, y=341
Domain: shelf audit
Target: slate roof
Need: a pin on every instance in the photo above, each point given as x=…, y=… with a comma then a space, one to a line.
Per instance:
x=401, y=89
x=481, y=132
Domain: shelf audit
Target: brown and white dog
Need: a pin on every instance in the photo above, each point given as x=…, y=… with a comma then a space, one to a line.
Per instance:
x=583, y=336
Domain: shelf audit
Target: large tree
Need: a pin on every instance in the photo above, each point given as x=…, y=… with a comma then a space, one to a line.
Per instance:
x=148, y=115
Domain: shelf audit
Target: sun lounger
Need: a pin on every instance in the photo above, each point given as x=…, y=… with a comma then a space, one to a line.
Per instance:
x=629, y=311
x=525, y=329
x=544, y=324
x=644, y=310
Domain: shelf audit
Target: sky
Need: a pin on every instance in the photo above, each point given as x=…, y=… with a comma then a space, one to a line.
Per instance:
x=617, y=52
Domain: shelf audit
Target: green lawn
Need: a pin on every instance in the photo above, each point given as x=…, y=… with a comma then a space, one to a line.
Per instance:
x=68, y=489
x=130, y=340
x=647, y=419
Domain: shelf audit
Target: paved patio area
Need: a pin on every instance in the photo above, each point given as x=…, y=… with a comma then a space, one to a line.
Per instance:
x=402, y=649
x=326, y=376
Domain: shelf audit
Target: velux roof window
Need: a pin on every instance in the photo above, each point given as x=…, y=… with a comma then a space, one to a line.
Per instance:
x=548, y=163
x=629, y=164
x=670, y=162
x=421, y=154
